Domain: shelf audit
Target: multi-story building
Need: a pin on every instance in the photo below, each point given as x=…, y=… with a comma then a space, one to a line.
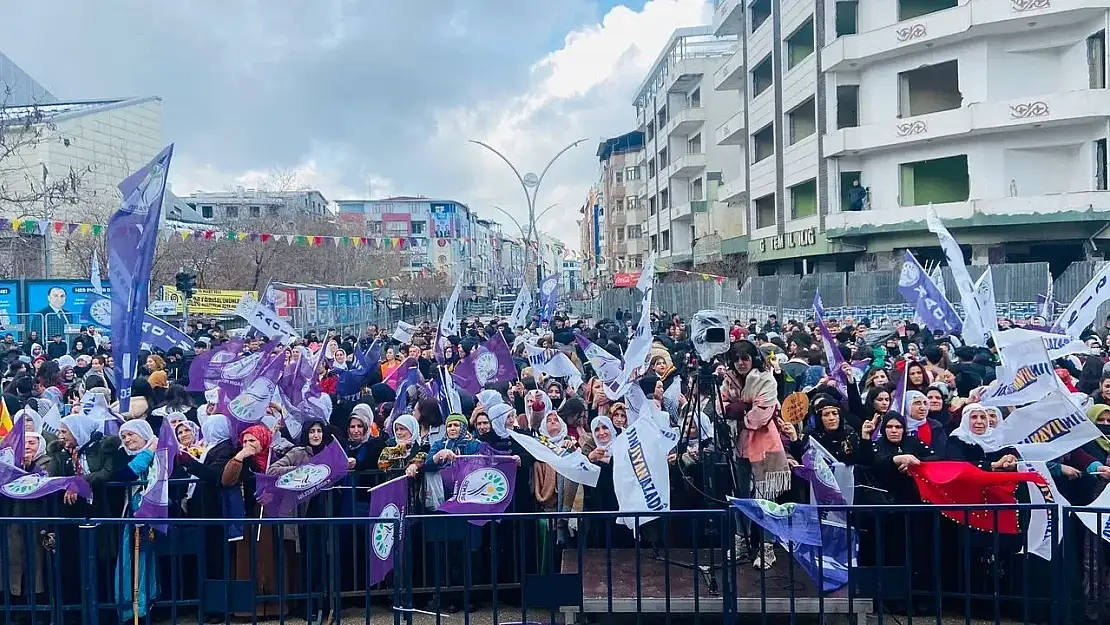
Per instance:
x=441, y=235
x=619, y=244
x=18, y=88
x=684, y=165
x=246, y=204
x=590, y=229
x=552, y=252
x=861, y=115
x=572, y=276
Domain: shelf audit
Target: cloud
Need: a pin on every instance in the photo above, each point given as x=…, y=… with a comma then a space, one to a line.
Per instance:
x=582, y=90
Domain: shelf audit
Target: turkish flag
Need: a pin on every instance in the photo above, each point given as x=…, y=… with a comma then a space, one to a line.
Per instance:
x=962, y=483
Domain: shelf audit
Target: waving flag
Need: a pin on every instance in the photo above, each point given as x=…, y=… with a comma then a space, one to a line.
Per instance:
x=132, y=237
x=572, y=465
x=974, y=332
x=157, y=334
x=155, y=500
x=824, y=549
x=962, y=483
x=832, y=350
x=1081, y=312
x=13, y=445
x=15, y=483
x=488, y=364
x=482, y=485
x=349, y=385
x=449, y=324
x=245, y=400
x=94, y=274
x=281, y=494
x=927, y=297
x=549, y=297
x=204, y=372
x=412, y=379
x=816, y=470
x=6, y=424
x=521, y=308
x=387, y=501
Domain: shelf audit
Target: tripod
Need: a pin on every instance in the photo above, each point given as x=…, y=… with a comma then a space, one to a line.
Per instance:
x=715, y=457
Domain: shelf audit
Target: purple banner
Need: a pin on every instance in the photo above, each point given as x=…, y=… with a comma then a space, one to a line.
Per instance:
x=489, y=364
x=18, y=484
x=549, y=297
x=928, y=302
x=132, y=237
x=832, y=350
x=349, y=385
x=481, y=485
x=154, y=502
x=281, y=494
x=245, y=399
x=387, y=501
x=14, y=444
x=815, y=470
x=205, y=370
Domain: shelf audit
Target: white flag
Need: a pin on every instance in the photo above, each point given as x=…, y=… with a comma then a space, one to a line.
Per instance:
x=94, y=275
x=521, y=308
x=574, y=466
x=1026, y=375
x=403, y=333
x=641, y=475
x=263, y=318
x=639, y=347
x=1080, y=313
x=1047, y=429
x=449, y=324
x=974, y=333
x=984, y=294
x=1098, y=522
x=1057, y=345
x=1038, y=536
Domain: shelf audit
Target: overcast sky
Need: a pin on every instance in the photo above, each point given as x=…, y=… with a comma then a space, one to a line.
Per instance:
x=364, y=96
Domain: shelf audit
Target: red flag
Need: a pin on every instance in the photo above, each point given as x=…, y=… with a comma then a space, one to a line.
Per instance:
x=965, y=484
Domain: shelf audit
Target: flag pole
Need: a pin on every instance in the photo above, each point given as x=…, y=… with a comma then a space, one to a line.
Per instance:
x=135, y=578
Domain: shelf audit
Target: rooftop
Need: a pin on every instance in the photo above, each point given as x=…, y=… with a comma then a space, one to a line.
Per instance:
x=627, y=142
x=55, y=112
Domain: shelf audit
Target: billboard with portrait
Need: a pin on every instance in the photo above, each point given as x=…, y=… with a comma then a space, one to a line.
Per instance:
x=324, y=307
x=343, y=312
x=10, y=321
x=307, y=298
x=56, y=306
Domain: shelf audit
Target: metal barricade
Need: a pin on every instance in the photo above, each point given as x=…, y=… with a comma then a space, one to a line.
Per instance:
x=20, y=325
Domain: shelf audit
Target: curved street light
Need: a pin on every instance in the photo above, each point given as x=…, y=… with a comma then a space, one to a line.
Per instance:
x=530, y=183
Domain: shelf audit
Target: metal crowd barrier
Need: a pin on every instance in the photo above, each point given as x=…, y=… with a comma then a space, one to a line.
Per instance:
x=912, y=563
x=19, y=324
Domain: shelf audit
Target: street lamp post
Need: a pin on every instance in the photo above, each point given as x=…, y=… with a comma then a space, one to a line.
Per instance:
x=530, y=183
x=525, y=233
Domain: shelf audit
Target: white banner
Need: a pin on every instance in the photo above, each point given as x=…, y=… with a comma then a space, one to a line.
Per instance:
x=641, y=475
x=1038, y=537
x=1098, y=522
x=574, y=466
x=449, y=324
x=1080, y=313
x=521, y=308
x=1025, y=376
x=553, y=363
x=1047, y=429
x=639, y=346
x=1057, y=345
x=937, y=278
x=263, y=319
x=984, y=294
x=974, y=332
x=403, y=333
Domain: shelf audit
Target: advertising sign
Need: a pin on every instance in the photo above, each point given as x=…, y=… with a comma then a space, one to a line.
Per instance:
x=285, y=300
x=341, y=302
x=10, y=321
x=625, y=280
x=57, y=306
x=323, y=306
x=206, y=301
x=307, y=298
x=355, y=301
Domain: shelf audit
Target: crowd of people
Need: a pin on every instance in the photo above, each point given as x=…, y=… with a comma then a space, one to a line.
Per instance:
x=736, y=424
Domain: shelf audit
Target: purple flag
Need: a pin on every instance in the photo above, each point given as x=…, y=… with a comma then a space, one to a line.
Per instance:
x=549, y=297
x=154, y=503
x=832, y=350
x=132, y=237
x=14, y=444
x=206, y=368
x=387, y=501
x=481, y=485
x=823, y=548
x=928, y=302
x=15, y=483
x=816, y=470
x=489, y=364
x=411, y=379
x=349, y=385
x=281, y=494
x=245, y=399
x=860, y=367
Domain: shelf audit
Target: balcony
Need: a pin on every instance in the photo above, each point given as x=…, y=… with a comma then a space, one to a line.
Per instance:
x=728, y=17
x=734, y=191
x=732, y=132
x=995, y=212
x=683, y=75
x=707, y=249
x=960, y=23
x=687, y=165
x=980, y=118
x=686, y=122
x=686, y=210
x=730, y=75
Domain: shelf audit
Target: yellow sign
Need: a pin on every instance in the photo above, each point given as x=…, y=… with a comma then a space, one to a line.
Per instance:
x=206, y=301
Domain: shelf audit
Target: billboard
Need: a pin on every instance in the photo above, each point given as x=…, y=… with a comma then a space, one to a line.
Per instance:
x=323, y=306
x=285, y=300
x=206, y=301
x=626, y=280
x=57, y=306
x=10, y=321
x=343, y=313
x=307, y=298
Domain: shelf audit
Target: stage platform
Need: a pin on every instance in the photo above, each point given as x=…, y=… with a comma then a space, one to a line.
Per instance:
x=640, y=583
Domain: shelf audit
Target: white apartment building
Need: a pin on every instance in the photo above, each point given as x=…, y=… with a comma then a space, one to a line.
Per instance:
x=617, y=243
x=993, y=112
x=246, y=204
x=684, y=164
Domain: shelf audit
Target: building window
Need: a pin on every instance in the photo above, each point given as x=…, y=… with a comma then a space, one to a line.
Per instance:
x=618, y=177
x=847, y=20
x=635, y=232
x=847, y=106
x=693, y=146
x=651, y=168
x=206, y=212
x=231, y=212
x=765, y=211
x=255, y=212
x=697, y=190
x=909, y=9
x=620, y=235
x=651, y=205
x=760, y=12
x=419, y=228
x=1100, y=165
x=631, y=173
x=763, y=76
x=619, y=204
x=633, y=203
x=374, y=228
x=929, y=89
x=803, y=121
x=799, y=46
x=654, y=243
x=665, y=240
x=1096, y=60
x=663, y=162
x=272, y=211
x=694, y=101
x=934, y=181
x=763, y=143
x=803, y=199
x=396, y=228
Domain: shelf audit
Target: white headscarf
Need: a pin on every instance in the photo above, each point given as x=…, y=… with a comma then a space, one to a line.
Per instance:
x=42, y=444
x=140, y=428
x=216, y=429
x=498, y=418
x=556, y=439
x=910, y=397
x=32, y=416
x=607, y=422
x=82, y=427
x=490, y=397
x=408, y=422
x=986, y=441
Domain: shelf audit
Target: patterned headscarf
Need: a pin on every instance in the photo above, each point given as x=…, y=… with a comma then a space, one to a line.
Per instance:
x=265, y=438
